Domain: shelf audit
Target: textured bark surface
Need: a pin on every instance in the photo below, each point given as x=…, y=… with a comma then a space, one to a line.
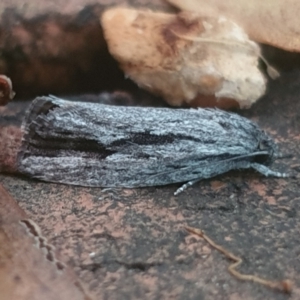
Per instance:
x=130, y=244
x=29, y=268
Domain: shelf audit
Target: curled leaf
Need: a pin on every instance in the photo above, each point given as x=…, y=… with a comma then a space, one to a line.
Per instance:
x=185, y=58
x=273, y=22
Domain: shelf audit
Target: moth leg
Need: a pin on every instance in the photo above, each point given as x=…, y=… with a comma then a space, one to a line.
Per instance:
x=185, y=186
x=258, y=167
x=266, y=171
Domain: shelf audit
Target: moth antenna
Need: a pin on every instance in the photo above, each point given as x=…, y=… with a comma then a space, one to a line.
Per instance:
x=282, y=155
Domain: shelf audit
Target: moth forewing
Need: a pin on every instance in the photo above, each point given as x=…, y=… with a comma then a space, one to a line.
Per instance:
x=92, y=144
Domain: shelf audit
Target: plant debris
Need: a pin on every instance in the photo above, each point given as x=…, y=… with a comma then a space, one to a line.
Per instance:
x=186, y=58
x=6, y=92
x=284, y=286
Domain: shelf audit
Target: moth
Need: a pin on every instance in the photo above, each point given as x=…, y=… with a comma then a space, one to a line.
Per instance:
x=99, y=145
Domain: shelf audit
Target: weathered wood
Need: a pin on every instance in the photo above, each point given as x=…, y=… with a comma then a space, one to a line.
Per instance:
x=29, y=267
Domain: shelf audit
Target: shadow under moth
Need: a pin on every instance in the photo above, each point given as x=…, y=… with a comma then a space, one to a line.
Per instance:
x=100, y=145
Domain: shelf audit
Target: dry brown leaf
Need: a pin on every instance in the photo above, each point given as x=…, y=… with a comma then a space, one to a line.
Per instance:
x=184, y=58
x=273, y=22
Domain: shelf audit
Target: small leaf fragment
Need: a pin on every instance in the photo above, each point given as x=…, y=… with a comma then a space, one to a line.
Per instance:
x=6, y=92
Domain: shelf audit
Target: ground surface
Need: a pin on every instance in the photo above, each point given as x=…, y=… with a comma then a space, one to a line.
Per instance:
x=131, y=244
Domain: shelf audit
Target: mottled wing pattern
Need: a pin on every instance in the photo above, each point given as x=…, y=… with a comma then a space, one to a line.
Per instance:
x=100, y=145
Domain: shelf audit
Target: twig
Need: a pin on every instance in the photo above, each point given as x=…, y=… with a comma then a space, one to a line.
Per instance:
x=284, y=286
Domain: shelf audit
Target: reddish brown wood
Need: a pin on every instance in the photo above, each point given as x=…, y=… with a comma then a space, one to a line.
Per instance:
x=29, y=267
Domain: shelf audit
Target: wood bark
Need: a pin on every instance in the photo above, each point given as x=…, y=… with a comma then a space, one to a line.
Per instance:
x=29, y=267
